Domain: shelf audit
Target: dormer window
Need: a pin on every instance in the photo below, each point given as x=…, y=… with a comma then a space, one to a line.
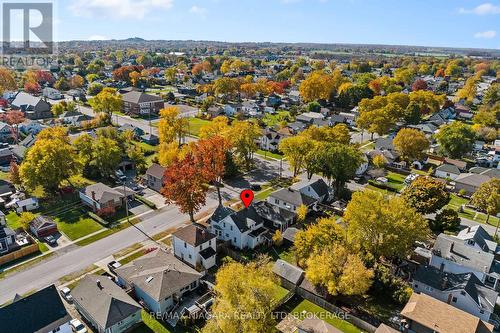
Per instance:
x=471, y=242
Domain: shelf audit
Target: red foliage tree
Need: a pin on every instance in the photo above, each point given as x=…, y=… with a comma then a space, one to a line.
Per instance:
x=211, y=156
x=32, y=87
x=123, y=73
x=14, y=118
x=440, y=73
x=185, y=186
x=419, y=84
x=44, y=77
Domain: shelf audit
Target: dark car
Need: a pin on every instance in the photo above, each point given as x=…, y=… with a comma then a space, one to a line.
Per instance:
x=255, y=187
x=50, y=240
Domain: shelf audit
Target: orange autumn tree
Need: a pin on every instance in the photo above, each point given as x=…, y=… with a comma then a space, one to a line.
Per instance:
x=211, y=155
x=185, y=186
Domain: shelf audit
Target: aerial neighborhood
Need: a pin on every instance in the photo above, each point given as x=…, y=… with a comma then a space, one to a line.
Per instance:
x=162, y=186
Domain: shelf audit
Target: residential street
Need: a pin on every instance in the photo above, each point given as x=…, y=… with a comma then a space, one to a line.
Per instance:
x=78, y=258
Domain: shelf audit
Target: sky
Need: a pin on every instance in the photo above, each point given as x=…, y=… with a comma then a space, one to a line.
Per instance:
x=454, y=23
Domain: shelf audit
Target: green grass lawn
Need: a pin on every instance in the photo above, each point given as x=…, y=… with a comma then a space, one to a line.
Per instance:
x=195, y=124
x=262, y=195
x=75, y=223
x=4, y=175
x=456, y=202
x=132, y=257
x=306, y=308
x=396, y=180
x=268, y=154
x=279, y=292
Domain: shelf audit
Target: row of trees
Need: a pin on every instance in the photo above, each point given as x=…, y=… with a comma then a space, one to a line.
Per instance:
x=323, y=150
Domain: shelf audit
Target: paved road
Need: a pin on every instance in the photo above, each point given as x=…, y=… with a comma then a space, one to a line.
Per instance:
x=50, y=271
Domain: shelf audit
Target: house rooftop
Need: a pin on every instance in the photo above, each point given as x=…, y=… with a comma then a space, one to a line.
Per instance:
x=454, y=249
x=140, y=97
x=288, y=271
x=484, y=297
x=194, y=235
x=159, y=274
x=104, y=300
x=156, y=171
x=441, y=317
x=294, y=197
x=42, y=311
x=101, y=192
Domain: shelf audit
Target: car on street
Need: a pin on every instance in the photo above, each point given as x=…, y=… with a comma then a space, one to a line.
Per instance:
x=66, y=294
x=77, y=326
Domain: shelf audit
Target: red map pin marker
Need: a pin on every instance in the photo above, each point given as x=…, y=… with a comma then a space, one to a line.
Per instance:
x=247, y=197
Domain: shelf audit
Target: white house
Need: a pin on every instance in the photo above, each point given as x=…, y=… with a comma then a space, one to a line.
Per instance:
x=26, y=205
x=196, y=246
x=315, y=188
x=447, y=171
x=463, y=291
x=242, y=229
x=51, y=93
x=290, y=199
x=455, y=255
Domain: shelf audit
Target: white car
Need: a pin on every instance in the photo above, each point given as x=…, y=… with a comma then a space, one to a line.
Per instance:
x=382, y=180
x=66, y=294
x=77, y=326
x=120, y=175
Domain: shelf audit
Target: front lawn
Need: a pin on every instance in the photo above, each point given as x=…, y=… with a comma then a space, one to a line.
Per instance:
x=304, y=309
x=396, y=180
x=75, y=223
x=456, y=202
x=267, y=154
x=195, y=124
x=279, y=293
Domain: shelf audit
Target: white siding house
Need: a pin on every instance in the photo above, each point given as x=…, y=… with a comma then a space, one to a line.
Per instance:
x=195, y=246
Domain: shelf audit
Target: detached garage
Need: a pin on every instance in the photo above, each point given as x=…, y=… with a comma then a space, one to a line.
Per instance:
x=43, y=226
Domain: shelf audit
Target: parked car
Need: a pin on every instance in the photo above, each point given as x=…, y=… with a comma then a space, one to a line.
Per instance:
x=120, y=175
x=410, y=178
x=382, y=180
x=255, y=187
x=51, y=240
x=66, y=294
x=77, y=326
x=114, y=265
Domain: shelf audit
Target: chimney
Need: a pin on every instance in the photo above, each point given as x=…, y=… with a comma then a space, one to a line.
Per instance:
x=444, y=283
x=99, y=285
x=93, y=195
x=452, y=246
x=468, y=229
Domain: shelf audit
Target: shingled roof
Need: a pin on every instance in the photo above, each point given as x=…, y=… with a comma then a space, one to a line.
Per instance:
x=104, y=300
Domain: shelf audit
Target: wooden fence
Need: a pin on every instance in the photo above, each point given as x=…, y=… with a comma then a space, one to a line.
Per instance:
x=22, y=252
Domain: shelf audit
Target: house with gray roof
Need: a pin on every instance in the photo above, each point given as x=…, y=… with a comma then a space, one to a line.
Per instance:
x=99, y=196
x=463, y=291
x=455, y=255
x=106, y=306
x=275, y=218
x=243, y=229
x=158, y=279
x=469, y=182
x=154, y=177
x=32, y=107
x=315, y=188
x=447, y=171
x=290, y=199
x=196, y=246
x=288, y=272
x=479, y=238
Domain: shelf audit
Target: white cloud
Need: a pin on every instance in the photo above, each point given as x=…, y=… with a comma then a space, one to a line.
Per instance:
x=116, y=9
x=98, y=37
x=483, y=9
x=485, y=34
x=200, y=11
